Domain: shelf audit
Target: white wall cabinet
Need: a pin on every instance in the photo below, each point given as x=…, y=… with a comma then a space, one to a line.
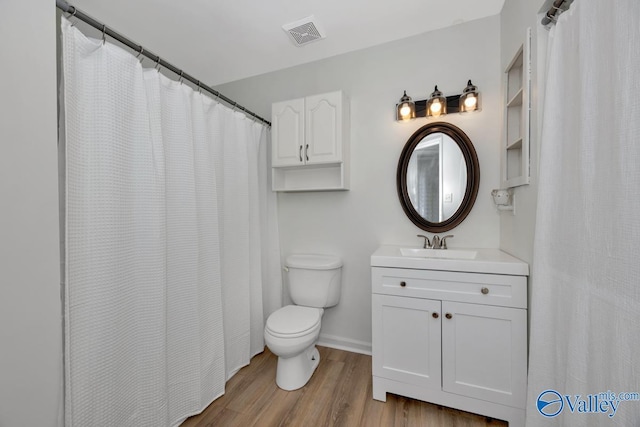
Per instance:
x=456, y=339
x=310, y=146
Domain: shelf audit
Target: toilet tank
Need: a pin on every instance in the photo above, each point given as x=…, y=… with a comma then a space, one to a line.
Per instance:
x=314, y=280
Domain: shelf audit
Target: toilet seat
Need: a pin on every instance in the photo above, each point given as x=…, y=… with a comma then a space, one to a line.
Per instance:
x=294, y=321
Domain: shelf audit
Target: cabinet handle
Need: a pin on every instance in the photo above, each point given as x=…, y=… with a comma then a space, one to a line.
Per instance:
x=403, y=284
x=300, y=154
x=484, y=290
x=435, y=315
x=306, y=152
x=448, y=315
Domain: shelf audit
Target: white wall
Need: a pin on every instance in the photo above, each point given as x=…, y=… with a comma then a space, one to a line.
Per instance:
x=30, y=310
x=516, y=232
x=354, y=223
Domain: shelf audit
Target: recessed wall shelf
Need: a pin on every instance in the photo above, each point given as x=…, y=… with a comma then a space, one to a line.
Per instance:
x=516, y=100
x=515, y=144
x=517, y=110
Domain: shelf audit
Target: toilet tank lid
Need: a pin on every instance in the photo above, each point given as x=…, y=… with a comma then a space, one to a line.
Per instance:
x=313, y=262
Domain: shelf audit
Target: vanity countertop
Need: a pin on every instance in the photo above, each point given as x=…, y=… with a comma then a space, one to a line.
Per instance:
x=493, y=261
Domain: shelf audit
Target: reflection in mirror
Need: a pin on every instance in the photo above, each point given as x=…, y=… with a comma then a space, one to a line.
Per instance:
x=436, y=177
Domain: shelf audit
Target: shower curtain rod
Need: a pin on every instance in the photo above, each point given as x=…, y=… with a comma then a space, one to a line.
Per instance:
x=554, y=11
x=76, y=13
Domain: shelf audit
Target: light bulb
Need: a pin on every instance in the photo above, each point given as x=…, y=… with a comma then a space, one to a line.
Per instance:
x=405, y=111
x=470, y=102
x=436, y=107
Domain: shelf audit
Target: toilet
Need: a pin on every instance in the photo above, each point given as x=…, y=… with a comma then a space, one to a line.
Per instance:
x=292, y=331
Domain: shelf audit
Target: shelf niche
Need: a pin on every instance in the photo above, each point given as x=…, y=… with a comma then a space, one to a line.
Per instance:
x=517, y=110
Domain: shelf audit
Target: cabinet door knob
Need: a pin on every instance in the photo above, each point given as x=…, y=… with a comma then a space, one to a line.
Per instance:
x=435, y=315
x=403, y=284
x=300, y=154
x=448, y=315
x=306, y=152
x=484, y=290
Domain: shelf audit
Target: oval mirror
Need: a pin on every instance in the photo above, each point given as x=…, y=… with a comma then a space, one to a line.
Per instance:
x=438, y=177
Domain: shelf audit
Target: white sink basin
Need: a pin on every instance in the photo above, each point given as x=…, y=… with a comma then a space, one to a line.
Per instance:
x=471, y=260
x=438, y=253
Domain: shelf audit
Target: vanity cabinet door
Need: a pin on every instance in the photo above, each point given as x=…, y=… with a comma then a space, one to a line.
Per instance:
x=407, y=340
x=287, y=129
x=484, y=352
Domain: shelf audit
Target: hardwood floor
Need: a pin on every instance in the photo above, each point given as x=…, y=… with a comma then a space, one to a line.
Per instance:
x=338, y=394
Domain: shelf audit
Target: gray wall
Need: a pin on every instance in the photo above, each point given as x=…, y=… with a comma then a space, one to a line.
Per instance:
x=30, y=309
x=354, y=223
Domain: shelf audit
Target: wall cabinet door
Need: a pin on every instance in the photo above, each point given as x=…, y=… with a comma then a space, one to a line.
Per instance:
x=484, y=352
x=407, y=340
x=287, y=129
x=323, y=128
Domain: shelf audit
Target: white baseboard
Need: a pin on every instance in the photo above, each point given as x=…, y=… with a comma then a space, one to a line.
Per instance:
x=346, y=344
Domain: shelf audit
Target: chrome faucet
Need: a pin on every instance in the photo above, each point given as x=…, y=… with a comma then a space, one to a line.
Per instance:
x=436, y=242
x=441, y=243
x=427, y=243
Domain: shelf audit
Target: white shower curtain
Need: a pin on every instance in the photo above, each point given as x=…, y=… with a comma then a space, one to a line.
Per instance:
x=169, y=241
x=585, y=322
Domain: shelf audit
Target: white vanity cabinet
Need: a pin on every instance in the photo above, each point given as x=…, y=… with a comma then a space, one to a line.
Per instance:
x=453, y=338
x=310, y=143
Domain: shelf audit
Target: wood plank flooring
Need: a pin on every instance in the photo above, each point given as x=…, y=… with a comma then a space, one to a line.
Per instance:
x=338, y=394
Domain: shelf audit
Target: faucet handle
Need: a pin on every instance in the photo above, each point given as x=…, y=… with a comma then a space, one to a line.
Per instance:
x=443, y=242
x=426, y=241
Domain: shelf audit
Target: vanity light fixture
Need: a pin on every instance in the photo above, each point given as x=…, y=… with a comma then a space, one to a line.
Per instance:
x=406, y=108
x=438, y=104
x=470, y=99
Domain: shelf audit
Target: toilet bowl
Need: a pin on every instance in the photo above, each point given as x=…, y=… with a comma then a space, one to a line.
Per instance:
x=291, y=334
x=292, y=331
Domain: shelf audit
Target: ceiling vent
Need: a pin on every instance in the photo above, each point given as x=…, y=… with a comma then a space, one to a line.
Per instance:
x=304, y=31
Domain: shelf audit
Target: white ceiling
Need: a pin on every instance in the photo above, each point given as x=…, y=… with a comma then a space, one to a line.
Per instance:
x=220, y=41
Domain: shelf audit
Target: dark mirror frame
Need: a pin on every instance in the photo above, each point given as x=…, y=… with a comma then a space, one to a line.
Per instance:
x=473, y=176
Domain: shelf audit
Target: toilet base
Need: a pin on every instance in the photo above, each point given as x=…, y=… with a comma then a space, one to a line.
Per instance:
x=294, y=372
